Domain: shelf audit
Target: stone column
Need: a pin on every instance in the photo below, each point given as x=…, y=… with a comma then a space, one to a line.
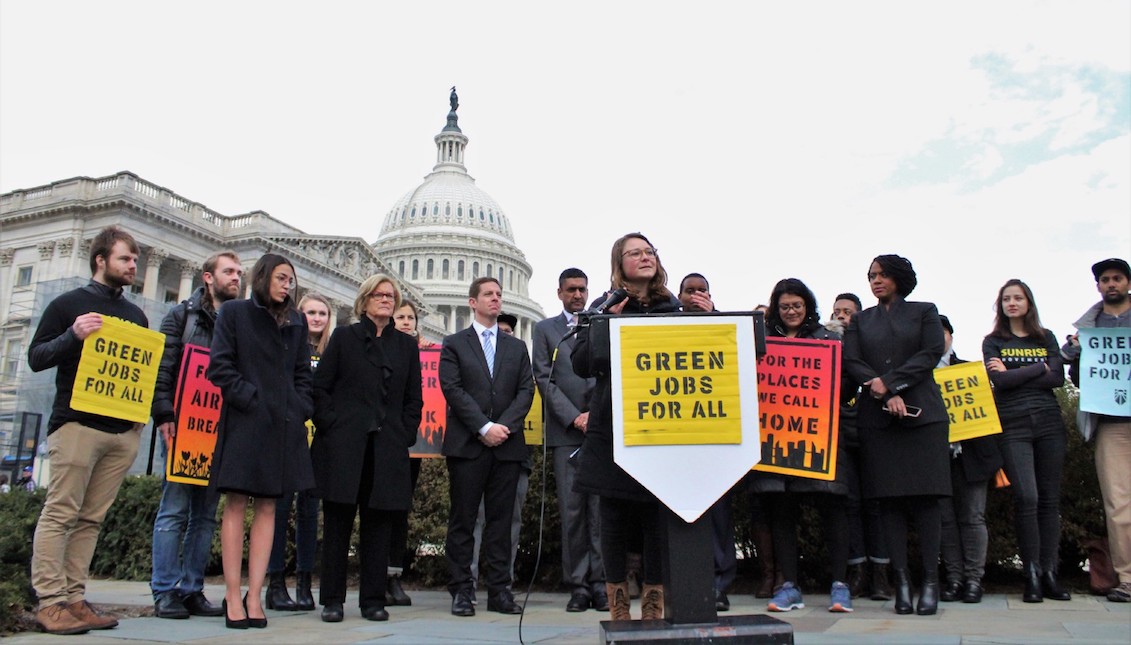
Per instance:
x=153, y=273
x=188, y=272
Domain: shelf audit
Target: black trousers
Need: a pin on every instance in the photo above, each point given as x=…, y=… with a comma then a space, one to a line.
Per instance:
x=494, y=482
x=784, y=516
x=372, y=549
x=624, y=524
x=922, y=512
x=398, y=543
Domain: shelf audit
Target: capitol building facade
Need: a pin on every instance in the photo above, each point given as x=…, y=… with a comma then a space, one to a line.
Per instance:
x=434, y=241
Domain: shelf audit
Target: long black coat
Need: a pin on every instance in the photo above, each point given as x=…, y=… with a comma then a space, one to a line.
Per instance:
x=263, y=372
x=901, y=345
x=365, y=384
x=597, y=473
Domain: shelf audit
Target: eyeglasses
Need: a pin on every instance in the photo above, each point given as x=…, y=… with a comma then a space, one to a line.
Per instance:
x=381, y=295
x=283, y=278
x=797, y=306
x=636, y=254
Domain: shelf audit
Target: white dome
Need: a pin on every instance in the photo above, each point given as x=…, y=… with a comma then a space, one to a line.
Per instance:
x=450, y=200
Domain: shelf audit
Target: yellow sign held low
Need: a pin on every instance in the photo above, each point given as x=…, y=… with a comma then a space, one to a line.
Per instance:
x=969, y=401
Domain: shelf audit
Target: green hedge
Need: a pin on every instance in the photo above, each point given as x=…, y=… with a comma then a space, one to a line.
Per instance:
x=125, y=541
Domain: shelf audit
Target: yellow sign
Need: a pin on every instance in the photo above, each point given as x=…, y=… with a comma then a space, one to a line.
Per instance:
x=534, y=428
x=118, y=370
x=680, y=385
x=969, y=401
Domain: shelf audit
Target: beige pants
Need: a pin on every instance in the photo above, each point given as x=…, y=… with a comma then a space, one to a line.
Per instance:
x=1113, y=466
x=87, y=469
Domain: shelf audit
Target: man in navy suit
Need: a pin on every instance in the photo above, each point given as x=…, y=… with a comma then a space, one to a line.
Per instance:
x=565, y=397
x=486, y=379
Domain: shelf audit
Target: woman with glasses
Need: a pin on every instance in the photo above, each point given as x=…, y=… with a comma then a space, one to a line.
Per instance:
x=1025, y=366
x=367, y=409
x=792, y=313
x=626, y=506
x=260, y=363
x=890, y=351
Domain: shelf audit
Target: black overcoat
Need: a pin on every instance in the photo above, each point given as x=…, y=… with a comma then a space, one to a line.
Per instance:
x=365, y=384
x=901, y=345
x=263, y=372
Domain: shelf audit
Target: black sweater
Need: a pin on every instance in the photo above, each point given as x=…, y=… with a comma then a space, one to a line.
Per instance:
x=55, y=345
x=1025, y=385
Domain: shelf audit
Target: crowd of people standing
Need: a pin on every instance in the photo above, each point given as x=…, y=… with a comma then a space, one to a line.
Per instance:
x=323, y=420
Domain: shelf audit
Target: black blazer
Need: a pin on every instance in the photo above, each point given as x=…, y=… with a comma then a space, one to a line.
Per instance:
x=474, y=398
x=364, y=385
x=901, y=346
x=564, y=394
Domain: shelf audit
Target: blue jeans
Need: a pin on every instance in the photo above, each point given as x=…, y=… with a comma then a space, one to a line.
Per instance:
x=1033, y=446
x=306, y=532
x=182, y=537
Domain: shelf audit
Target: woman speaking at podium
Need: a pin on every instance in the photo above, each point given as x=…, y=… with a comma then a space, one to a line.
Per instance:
x=626, y=506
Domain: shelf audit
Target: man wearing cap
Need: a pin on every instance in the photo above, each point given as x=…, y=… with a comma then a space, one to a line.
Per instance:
x=1112, y=434
x=26, y=481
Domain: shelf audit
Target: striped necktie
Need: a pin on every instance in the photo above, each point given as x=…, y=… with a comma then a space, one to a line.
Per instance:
x=489, y=351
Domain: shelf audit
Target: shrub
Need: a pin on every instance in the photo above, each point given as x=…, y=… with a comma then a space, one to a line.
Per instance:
x=125, y=543
x=19, y=512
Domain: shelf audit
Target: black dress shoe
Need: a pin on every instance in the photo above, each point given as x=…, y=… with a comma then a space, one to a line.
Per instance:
x=257, y=623
x=503, y=603
x=228, y=622
x=461, y=603
x=722, y=603
x=333, y=613
x=170, y=605
x=600, y=600
x=973, y=593
x=578, y=601
x=951, y=591
x=374, y=613
x=198, y=605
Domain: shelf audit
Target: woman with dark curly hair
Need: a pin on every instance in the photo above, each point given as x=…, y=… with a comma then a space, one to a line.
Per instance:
x=891, y=351
x=1025, y=367
x=793, y=314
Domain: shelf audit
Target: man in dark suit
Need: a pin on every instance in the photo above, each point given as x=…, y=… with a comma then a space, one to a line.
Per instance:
x=486, y=379
x=565, y=399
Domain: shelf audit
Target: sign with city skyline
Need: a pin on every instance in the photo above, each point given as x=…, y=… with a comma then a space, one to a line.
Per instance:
x=799, y=407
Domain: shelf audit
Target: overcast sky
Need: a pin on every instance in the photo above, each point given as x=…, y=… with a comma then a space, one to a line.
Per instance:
x=751, y=141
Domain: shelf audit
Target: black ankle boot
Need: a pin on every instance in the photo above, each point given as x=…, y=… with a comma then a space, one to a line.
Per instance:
x=277, y=596
x=902, y=591
x=304, y=600
x=1051, y=589
x=856, y=579
x=1032, y=592
x=881, y=586
x=928, y=596
x=394, y=592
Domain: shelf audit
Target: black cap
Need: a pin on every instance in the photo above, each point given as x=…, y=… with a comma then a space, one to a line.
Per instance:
x=509, y=319
x=1111, y=263
x=946, y=324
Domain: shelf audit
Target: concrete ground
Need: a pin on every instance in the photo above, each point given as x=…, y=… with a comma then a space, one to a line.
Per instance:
x=998, y=619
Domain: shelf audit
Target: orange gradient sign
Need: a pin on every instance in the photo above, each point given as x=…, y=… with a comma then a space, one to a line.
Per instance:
x=198, y=413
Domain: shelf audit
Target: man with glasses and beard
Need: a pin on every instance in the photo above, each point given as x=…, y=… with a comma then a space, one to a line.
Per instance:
x=1112, y=434
x=89, y=453
x=186, y=517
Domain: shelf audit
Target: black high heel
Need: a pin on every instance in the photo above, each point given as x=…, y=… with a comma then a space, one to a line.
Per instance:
x=233, y=624
x=257, y=623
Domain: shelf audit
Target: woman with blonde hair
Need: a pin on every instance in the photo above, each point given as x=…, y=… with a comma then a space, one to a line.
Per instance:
x=368, y=394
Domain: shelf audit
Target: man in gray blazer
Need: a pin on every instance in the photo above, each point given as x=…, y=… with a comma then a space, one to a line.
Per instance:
x=486, y=379
x=565, y=401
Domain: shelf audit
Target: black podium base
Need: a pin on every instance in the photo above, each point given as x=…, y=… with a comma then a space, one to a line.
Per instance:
x=732, y=630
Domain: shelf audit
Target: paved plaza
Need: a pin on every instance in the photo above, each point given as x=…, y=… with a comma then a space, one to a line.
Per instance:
x=998, y=619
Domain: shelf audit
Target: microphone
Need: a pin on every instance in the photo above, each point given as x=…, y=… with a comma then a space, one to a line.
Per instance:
x=615, y=298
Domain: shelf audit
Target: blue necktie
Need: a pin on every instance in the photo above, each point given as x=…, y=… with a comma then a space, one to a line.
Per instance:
x=489, y=351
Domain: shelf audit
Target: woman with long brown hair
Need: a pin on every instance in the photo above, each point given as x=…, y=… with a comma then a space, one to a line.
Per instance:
x=1025, y=366
x=259, y=360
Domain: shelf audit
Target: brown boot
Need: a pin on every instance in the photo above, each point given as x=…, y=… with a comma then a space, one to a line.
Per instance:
x=652, y=602
x=619, y=604
x=87, y=614
x=57, y=619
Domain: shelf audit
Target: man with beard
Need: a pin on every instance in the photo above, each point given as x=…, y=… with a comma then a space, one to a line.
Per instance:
x=89, y=453
x=1112, y=434
x=186, y=517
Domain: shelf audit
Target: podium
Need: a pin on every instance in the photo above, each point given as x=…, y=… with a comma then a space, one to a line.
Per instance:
x=688, y=553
